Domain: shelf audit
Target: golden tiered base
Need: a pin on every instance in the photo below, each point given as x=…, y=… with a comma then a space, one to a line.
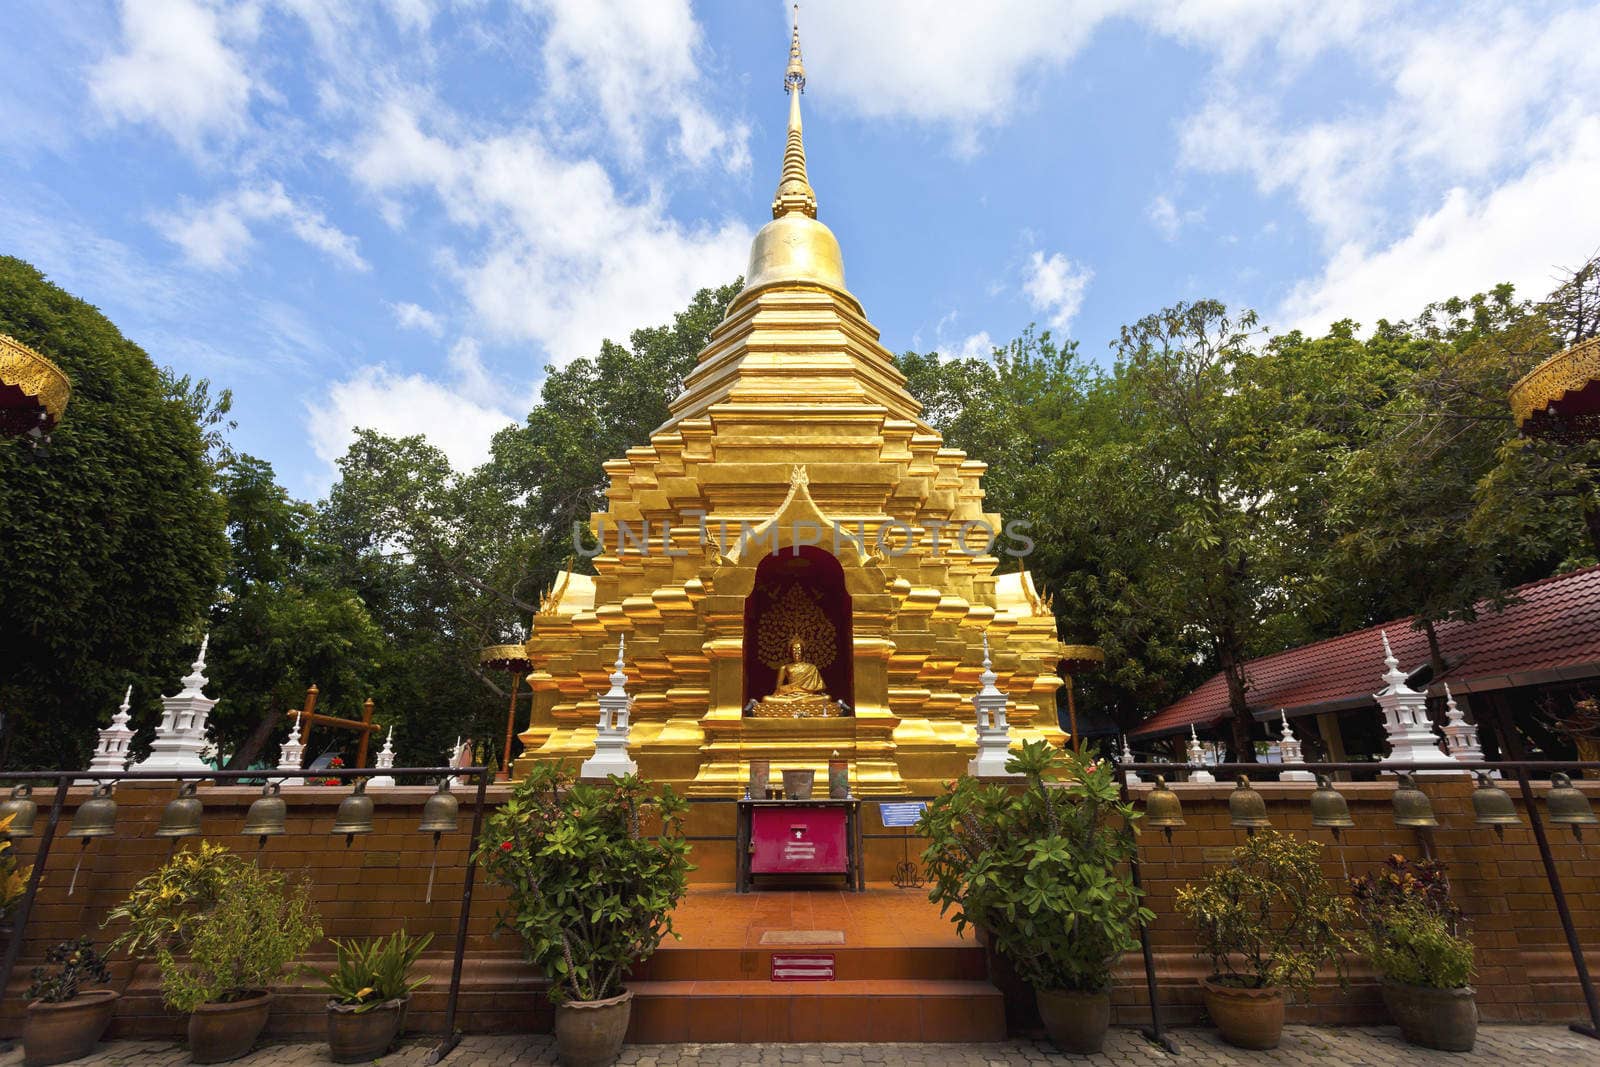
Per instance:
x=821, y=708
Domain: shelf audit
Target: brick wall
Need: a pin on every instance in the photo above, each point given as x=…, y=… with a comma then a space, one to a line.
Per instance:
x=377, y=885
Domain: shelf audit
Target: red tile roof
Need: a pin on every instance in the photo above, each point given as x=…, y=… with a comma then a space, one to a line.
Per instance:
x=1551, y=632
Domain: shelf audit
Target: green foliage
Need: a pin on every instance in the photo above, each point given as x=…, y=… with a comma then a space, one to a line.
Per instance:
x=1414, y=946
x=1041, y=868
x=374, y=971
x=1414, y=930
x=113, y=543
x=163, y=907
x=590, y=893
x=68, y=965
x=242, y=945
x=1269, y=917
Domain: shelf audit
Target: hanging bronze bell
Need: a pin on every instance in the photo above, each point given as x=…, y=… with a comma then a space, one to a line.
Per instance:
x=1162, y=808
x=1247, y=809
x=439, y=813
x=355, y=813
x=181, y=816
x=1329, y=809
x=266, y=815
x=1411, y=805
x=1567, y=805
x=22, y=809
x=95, y=817
x=1493, y=805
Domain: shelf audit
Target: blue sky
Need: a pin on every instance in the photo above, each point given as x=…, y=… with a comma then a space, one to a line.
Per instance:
x=397, y=213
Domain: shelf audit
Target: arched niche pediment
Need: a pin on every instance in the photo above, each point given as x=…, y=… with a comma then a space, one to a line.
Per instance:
x=796, y=523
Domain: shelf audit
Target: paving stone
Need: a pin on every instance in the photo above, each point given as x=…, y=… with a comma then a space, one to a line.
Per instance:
x=1302, y=1047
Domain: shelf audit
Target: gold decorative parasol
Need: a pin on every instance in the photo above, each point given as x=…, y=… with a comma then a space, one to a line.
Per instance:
x=33, y=390
x=512, y=658
x=1560, y=398
x=1077, y=659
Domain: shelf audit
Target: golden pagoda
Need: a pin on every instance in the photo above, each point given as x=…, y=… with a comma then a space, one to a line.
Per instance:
x=799, y=567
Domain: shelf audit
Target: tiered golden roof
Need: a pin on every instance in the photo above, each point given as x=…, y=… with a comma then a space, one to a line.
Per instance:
x=794, y=418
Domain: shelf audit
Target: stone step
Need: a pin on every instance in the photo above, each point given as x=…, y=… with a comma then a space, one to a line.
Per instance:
x=766, y=1011
x=851, y=963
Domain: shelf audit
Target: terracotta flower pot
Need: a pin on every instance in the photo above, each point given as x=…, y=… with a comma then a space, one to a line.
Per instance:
x=57, y=1033
x=360, y=1036
x=1445, y=1019
x=1248, y=1018
x=1076, y=1022
x=221, y=1032
x=589, y=1033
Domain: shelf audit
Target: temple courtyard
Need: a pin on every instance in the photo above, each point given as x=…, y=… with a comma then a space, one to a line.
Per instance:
x=1376, y=1046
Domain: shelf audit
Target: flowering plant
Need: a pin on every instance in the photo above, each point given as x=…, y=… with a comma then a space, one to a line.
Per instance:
x=334, y=764
x=591, y=893
x=1043, y=869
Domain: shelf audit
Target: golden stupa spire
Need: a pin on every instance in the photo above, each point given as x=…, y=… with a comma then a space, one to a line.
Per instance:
x=794, y=188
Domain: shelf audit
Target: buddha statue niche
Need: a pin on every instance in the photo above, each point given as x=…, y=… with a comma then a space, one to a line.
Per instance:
x=799, y=692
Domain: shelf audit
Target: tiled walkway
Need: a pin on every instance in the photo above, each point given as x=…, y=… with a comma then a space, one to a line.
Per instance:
x=1303, y=1046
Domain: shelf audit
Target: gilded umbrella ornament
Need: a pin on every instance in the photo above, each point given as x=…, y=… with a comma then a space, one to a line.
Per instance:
x=33, y=392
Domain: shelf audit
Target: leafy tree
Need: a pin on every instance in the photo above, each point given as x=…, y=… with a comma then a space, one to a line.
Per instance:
x=279, y=624
x=113, y=544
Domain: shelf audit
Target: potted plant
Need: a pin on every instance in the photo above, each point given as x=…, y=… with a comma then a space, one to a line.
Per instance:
x=65, y=1021
x=1042, y=870
x=589, y=893
x=368, y=988
x=13, y=878
x=1416, y=941
x=1268, y=919
x=223, y=931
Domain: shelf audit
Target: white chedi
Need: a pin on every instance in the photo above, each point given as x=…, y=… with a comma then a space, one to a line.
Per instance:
x=1461, y=736
x=1405, y=720
x=1197, y=759
x=291, y=755
x=1289, y=749
x=180, y=741
x=994, y=732
x=111, y=752
x=384, y=762
x=611, y=732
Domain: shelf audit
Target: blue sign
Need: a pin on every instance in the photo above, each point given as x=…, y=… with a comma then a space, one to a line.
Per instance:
x=901, y=813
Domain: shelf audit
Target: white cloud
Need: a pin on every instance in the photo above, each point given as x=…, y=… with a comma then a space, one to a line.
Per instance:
x=1055, y=285
x=968, y=66
x=218, y=234
x=1459, y=101
x=177, y=70
x=974, y=346
x=1521, y=232
x=639, y=61
x=555, y=253
x=398, y=404
x=1168, y=220
x=960, y=64
x=411, y=316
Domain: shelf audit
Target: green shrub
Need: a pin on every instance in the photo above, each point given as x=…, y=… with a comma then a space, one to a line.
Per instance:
x=590, y=895
x=1268, y=916
x=67, y=966
x=1414, y=946
x=257, y=927
x=163, y=906
x=1415, y=934
x=1043, y=869
x=374, y=971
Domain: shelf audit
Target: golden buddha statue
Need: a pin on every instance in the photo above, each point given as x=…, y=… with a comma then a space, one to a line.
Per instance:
x=799, y=692
x=797, y=679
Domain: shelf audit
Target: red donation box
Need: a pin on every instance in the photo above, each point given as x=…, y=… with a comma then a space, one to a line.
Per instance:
x=799, y=840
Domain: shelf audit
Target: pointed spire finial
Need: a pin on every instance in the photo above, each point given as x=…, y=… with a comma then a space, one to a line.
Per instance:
x=794, y=187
